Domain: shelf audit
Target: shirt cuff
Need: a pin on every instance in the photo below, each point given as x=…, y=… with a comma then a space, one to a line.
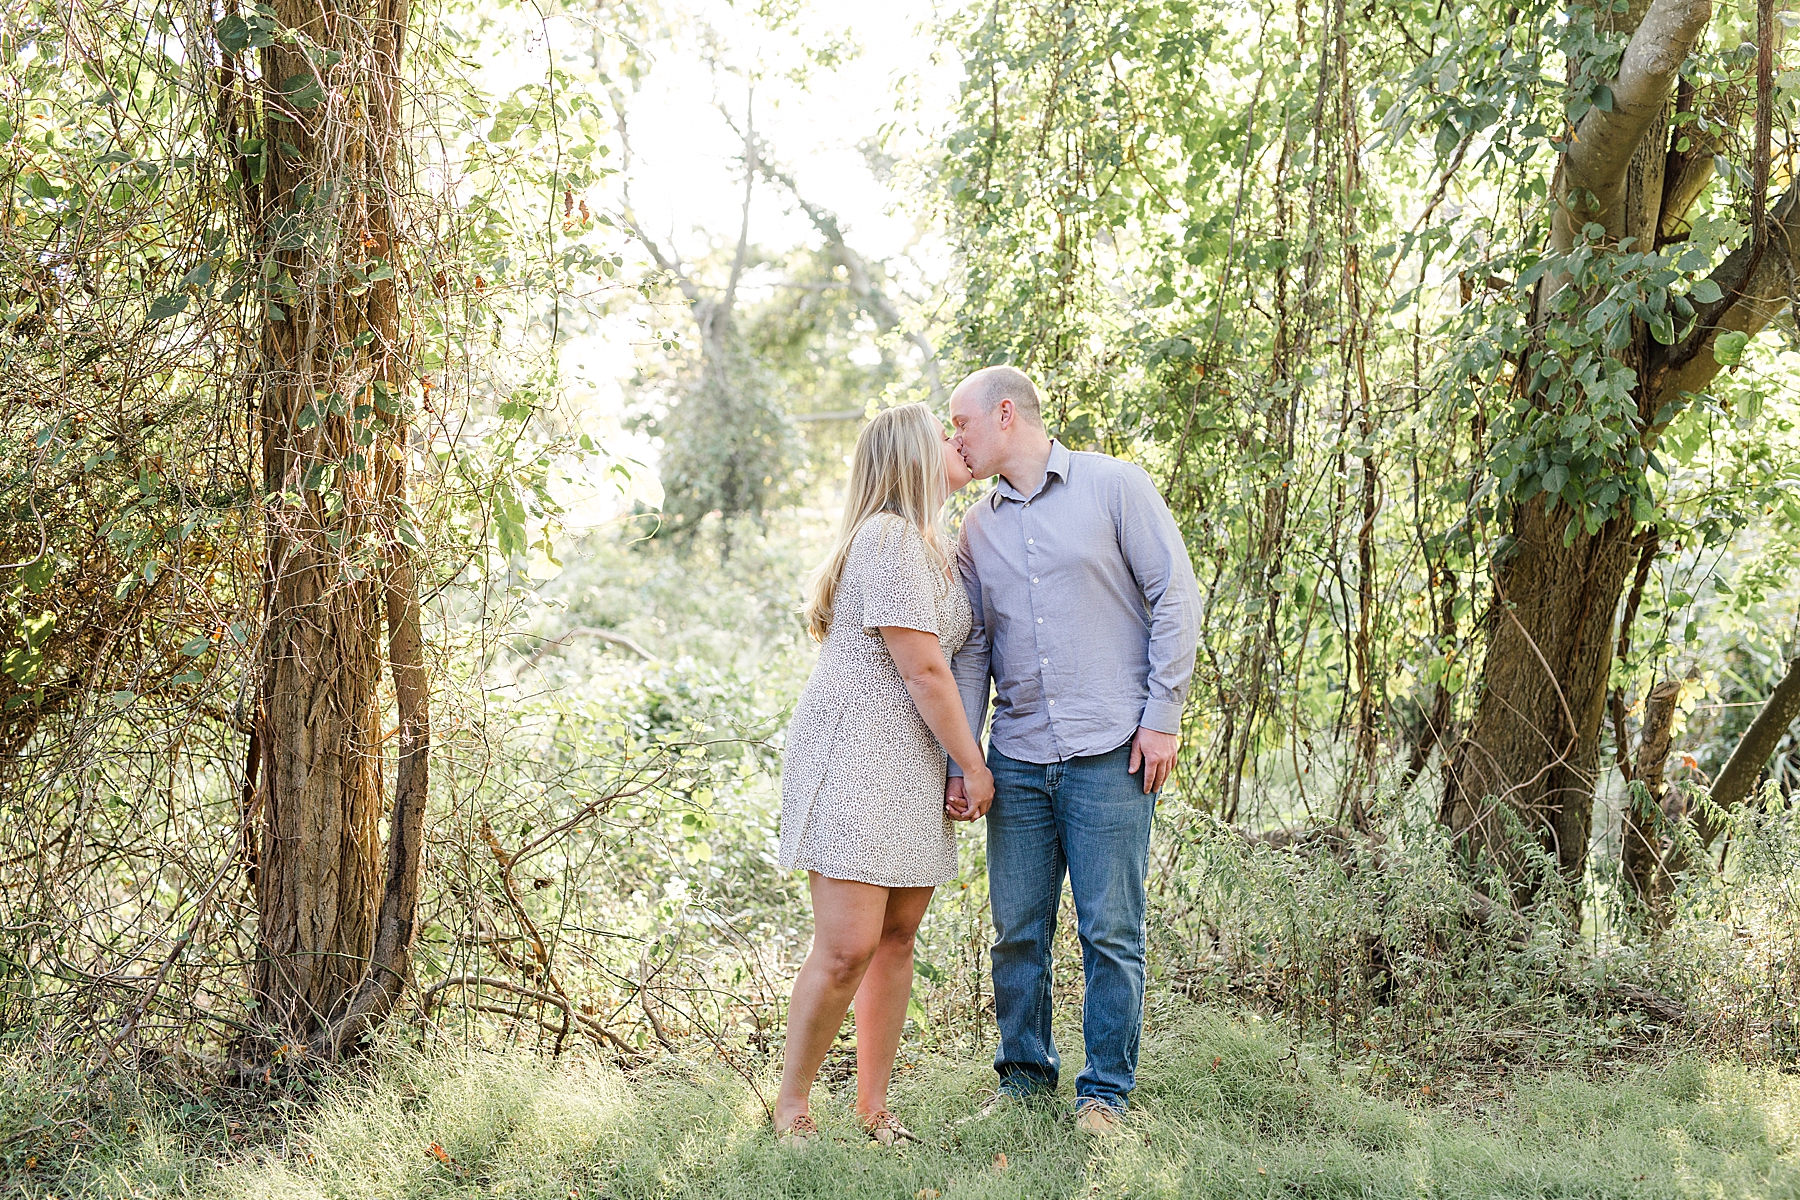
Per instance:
x=951, y=770
x=1164, y=716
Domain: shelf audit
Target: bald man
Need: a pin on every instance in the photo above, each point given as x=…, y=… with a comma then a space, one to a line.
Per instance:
x=1086, y=616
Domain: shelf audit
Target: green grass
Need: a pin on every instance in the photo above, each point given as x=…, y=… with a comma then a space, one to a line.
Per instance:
x=1224, y=1109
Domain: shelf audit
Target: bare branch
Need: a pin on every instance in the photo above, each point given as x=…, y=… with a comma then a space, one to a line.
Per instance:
x=592, y=1026
x=604, y=635
x=861, y=279
x=743, y=244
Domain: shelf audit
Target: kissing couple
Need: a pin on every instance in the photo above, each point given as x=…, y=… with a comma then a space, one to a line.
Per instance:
x=1070, y=592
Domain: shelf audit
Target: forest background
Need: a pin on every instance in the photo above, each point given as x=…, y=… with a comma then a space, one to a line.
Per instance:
x=415, y=423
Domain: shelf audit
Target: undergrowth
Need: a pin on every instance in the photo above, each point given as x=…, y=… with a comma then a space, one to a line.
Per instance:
x=1227, y=1106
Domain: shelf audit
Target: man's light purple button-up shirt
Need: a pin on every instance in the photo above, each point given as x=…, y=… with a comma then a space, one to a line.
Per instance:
x=1086, y=611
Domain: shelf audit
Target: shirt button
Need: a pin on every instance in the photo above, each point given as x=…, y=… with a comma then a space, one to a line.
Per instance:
x=1034, y=579
x=1040, y=620
x=1045, y=661
x=1053, y=704
x=1031, y=541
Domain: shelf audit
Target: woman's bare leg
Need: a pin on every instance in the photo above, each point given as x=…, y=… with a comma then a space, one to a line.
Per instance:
x=848, y=919
x=882, y=997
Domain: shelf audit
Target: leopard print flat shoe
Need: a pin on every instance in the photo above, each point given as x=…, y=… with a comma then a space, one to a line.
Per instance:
x=884, y=1128
x=802, y=1132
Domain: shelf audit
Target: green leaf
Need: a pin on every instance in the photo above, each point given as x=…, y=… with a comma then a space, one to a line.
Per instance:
x=1728, y=351
x=21, y=664
x=37, y=628
x=302, y=90
x=233, y=34
x=1706, y=291
x=1555, y=478
x=37, y=575
x=195, y=647
x=917, y=1013
x=164, y=307
x=1447, y=138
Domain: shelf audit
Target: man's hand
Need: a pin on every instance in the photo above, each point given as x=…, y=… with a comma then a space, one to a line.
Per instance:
x=1156, y=753
x=959, y=805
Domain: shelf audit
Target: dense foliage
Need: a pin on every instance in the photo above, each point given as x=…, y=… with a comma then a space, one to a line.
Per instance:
x=1319, y=268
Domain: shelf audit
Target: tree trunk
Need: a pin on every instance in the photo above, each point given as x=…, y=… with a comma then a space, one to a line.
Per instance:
x=1745, y=766
x=1519, y=789
x=1651, y=815
x=333, y=441
x=1522, y=781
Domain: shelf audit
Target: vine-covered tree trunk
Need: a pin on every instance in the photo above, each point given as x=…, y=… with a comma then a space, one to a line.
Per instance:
x=1624, y=182
x=334, y=933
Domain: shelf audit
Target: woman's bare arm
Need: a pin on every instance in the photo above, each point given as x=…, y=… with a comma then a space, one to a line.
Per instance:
x=920, y=661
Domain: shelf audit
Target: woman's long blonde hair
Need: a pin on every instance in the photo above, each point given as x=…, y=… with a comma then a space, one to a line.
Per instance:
x=898, y=468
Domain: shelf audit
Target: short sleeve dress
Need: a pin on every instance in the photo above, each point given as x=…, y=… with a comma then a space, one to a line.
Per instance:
x=862, y=780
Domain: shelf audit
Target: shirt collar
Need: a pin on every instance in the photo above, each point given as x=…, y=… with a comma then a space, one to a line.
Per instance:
x=1057, y=465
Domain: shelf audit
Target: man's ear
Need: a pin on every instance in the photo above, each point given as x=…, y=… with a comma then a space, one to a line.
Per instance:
x=1005, y=413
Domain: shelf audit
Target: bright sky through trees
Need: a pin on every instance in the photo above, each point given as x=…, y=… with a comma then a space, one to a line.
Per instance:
x=837, y=87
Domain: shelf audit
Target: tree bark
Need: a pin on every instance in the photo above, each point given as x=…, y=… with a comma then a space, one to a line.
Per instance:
x=1522, y=780
x=1652, y=815
x=333, y=941
x=1735, y=782
x=1519, y=787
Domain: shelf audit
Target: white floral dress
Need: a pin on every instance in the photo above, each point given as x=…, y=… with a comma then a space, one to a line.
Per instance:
x=862, y=781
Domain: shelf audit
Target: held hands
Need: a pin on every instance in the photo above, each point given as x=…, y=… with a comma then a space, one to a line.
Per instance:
x=968, y=797
x=1156, y=752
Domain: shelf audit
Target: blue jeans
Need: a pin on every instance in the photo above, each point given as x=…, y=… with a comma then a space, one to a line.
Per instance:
x=1089, y=818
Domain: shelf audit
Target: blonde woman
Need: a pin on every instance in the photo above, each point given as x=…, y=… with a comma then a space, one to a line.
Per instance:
x=863, y=807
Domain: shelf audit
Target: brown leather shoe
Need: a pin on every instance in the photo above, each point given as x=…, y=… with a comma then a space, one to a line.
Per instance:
x=1099, y=1118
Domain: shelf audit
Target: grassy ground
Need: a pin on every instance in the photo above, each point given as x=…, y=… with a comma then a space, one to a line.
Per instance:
x=1224, y=1109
